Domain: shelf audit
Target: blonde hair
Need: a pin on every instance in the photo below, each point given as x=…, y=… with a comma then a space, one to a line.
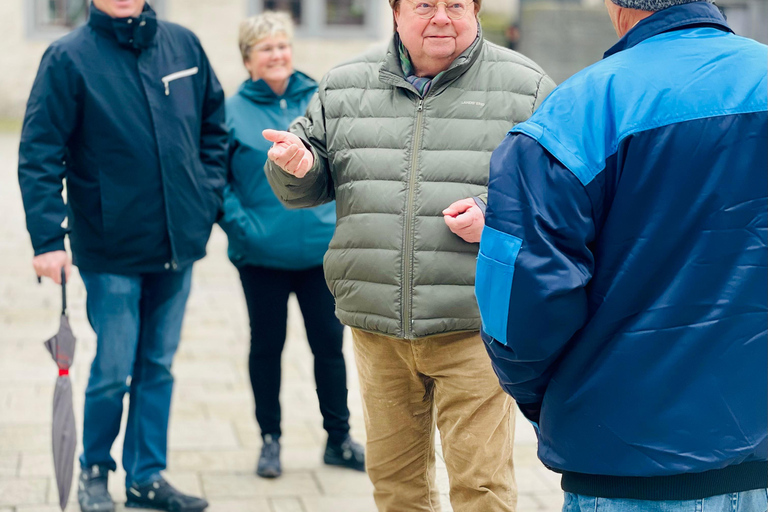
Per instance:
x=266, y=24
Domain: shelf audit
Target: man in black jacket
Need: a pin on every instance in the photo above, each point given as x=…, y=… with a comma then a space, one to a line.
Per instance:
x=128, y=111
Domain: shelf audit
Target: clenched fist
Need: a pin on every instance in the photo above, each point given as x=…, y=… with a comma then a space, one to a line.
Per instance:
x=465, y=219
x=289, y=153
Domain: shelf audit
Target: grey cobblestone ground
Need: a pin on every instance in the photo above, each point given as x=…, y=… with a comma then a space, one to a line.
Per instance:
x=213, y=436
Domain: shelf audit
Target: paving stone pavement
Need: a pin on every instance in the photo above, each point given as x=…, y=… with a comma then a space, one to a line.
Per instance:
x=213, y=437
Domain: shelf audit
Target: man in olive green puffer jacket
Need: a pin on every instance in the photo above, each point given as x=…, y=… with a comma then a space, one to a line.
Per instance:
x=402, y=140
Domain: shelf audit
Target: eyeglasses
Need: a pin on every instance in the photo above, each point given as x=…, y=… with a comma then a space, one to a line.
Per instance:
x=427, y=9
x=269, y=48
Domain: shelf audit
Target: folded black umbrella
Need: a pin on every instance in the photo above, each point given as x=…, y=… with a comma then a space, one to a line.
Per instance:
x=62, y=348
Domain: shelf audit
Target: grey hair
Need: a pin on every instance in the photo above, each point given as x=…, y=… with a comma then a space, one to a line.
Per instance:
x=266, y=24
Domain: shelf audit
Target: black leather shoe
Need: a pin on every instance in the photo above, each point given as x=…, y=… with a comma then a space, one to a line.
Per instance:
x=160, y=495
x=348, y=454
x=269, y=460
x=92, y=493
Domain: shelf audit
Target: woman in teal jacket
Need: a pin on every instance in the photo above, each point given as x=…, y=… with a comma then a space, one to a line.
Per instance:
x=279, y=251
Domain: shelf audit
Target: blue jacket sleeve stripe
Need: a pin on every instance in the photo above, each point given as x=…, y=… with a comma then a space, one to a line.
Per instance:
x=583, y=171
x=493, y=282
x=606, y=119
x=538, y=229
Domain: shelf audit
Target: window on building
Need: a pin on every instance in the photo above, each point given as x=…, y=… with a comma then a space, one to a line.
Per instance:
x=345, y=12
x=54, y=18
x=326, y=18
x=291, y=6
x=60, y=14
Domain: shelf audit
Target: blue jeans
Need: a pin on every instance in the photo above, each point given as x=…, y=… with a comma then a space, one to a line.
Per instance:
x=747, y=501
x=137, y=320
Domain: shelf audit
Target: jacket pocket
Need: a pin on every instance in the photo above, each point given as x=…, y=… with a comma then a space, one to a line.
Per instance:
x=167, y=79
x=109, y=213
x=213, y=200
x=493, y=282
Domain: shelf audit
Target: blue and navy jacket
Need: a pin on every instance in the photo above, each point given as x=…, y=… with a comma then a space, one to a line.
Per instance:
x=261, y=230
x=130, y=113
x=622, y=270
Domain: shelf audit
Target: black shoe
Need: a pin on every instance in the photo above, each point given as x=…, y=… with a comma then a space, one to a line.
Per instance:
x=92, y=493
x=160, y=495
x=269, y=460
x=348, y=454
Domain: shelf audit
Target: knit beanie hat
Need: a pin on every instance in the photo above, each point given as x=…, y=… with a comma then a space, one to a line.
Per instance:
x=653, y=5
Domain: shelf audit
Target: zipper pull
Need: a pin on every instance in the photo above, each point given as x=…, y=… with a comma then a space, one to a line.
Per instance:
x=421, y=106
x=167, y=84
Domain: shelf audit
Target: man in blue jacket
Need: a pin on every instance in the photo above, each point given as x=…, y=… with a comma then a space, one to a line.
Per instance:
x=128, y=111
x=622, y=270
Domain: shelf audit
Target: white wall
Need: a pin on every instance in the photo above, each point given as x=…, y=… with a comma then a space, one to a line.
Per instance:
x=19, y=58
x=501, y=6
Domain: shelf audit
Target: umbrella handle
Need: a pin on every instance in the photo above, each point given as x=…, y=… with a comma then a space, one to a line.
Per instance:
x=63, y=292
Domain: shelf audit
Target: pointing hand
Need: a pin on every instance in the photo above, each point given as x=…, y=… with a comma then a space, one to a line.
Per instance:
x=289, y=153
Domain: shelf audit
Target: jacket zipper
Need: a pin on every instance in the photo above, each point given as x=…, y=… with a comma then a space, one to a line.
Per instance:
x=173, y=264
x=408, y=242
x=167, y=79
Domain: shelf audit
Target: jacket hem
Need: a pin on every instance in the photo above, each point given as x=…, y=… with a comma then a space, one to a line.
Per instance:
x=104, y=267
x=747, y=476
x=352, y=320
x=275, y=266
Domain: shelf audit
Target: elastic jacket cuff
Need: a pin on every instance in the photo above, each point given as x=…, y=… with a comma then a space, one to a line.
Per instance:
x=480, y=204
x=50, y=246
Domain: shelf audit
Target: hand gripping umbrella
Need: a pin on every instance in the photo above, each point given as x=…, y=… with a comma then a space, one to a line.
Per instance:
x=62, y=348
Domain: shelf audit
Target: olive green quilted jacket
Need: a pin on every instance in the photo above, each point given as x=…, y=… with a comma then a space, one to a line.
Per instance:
x=393, y=161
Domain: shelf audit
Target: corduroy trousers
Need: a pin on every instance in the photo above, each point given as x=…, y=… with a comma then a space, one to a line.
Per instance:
x=408, y=388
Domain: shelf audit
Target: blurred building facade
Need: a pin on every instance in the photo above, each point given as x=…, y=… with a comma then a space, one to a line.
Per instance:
x=328, y=32
x=563, y=36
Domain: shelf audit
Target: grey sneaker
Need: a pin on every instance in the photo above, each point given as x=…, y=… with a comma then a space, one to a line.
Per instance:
x=269, y=460
x=348, y=454
x=92, y=493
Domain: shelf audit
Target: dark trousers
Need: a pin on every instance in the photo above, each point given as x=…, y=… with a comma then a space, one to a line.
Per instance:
x=266, y=295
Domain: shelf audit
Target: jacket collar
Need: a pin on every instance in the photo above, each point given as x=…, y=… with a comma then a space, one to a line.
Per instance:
x=674, y=18
x=133, y=32
x=391, y=71
x=299, y=85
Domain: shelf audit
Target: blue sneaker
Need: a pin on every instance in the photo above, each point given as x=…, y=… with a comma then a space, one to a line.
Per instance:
x=269, y=460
